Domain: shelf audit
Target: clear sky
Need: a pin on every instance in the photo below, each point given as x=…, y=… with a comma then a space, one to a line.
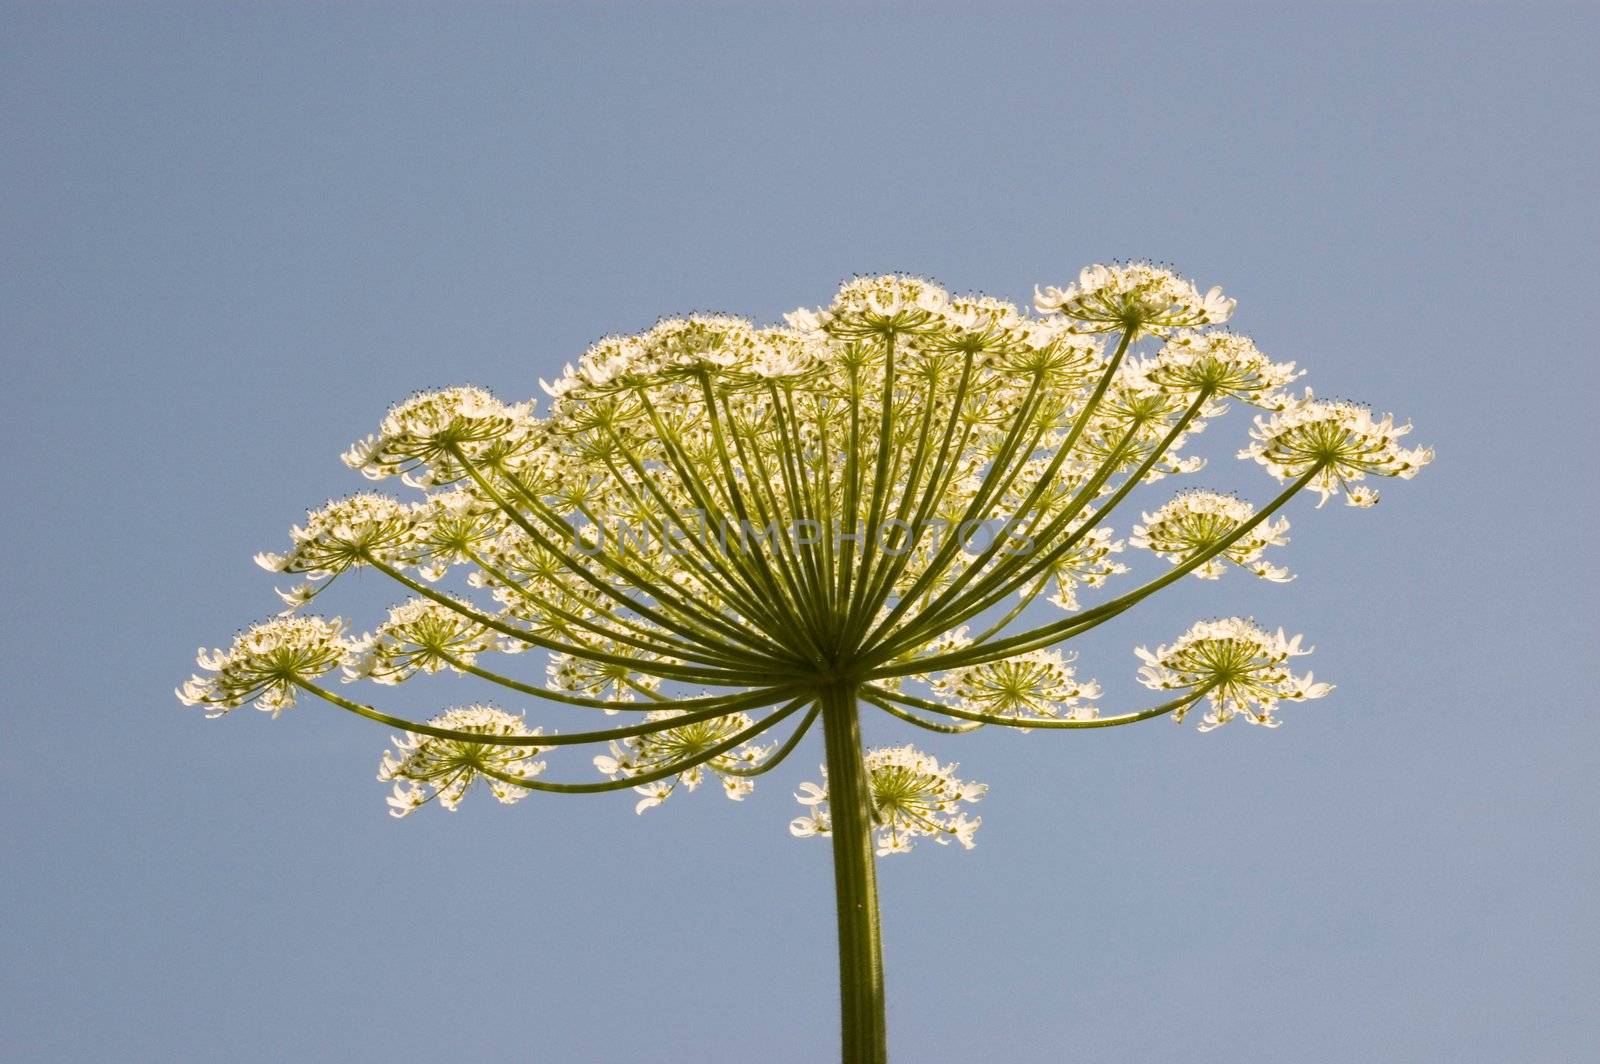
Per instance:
x=231, y=236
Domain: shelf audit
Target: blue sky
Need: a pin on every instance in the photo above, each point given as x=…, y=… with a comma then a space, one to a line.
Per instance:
x=231, y=236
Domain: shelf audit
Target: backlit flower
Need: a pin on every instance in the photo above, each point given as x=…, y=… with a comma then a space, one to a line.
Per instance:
x=1039, y=684
x=640, y=754
x=419, y=636
x=422, y=434
x=1342, y=440
x=1243, y=669
x=1133, y=295
x=451, y=528
x=346, y=532
x=886, y=305
x=596, y=678
x=701, y=342
x=1224, y=364
x=881, y=489
x=1197, y=520
x=425, y=767
x=1088, y=563
x=913, y=796
x=265, y=664
x=736, y=535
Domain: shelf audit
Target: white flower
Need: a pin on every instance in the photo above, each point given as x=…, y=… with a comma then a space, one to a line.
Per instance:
x=701, y=342
x=1195, y=521
x=638, y=755
x=804, y=321
x=420, y=434
x=1039, y=684
x=1089, y=563
x=1135, y=295
x=424, y=767
x=886, y=305
x=612, y=358
x=419, y=636
x=346, y=532
x=1343, y=438
x=1243, y=668
x=451, y=527
x=913, y=796
x=784, y=354
x=265, y=663
x=598, y=679
x=1066, y=360
x=1224, y=363
x=1134, y=418
x=987, y=328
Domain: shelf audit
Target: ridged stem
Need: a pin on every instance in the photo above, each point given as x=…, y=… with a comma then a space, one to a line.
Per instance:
x=865, y=1036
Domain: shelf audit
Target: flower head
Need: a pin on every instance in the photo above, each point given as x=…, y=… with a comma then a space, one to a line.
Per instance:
x=346, y=532
x=989, y=329
x=1088, y=563
x=424, y=434
x=419, y=636
x=598, y=678
x=265, y=664
x=609, y=362
x=1134, y=418
x=710, y=343
x=1223, y=364
x=913, y=796
x=887, y=305
x=452, y=527
x=1134, y=295
x=424, y=767
x=1195, y=521
x=785, y=354
x=1048, y=347
x=1342, y=441
x=641, y=754
x=1242, y=669
x=1038, y=684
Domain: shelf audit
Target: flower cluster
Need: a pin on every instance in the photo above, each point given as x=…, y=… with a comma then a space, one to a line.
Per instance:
x=424, y=767
x=641, y=755
x=1087, y=563
x=1134, y=295
x=420, y=636
x=1139, y=419
x=1039, y=684
x=580, y=675
x=1241, y=669
x=1223, y=364
x=454, y=528
x=714, y=519
x=913, y=796
x=718, y=536
x=355, y=530
x=423, y=436
x=1339, y=442
x=728, y=348
x=1196, y=521
x=877, y=306
x=265, y=664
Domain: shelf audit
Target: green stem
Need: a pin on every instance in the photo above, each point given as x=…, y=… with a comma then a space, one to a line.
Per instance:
x=553, y=739
x=865, y=1036
x=874, y=693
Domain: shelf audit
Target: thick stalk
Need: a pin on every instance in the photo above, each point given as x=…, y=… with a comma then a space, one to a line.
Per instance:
x=865, y=1036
